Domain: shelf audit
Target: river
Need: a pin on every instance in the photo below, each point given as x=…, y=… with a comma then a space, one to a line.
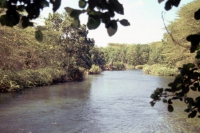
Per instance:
x=112, y=102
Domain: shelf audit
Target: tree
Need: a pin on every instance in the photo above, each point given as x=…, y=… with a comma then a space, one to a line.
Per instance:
x=74, y=40
x=189, y=77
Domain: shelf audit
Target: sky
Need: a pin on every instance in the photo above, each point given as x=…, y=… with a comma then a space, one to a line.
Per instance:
x=144, y=16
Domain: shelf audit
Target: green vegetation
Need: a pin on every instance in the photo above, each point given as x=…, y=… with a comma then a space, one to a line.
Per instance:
x=26, y=62
x=16, y=80
x=188, y=78
x=161, y=70
x=95, y=70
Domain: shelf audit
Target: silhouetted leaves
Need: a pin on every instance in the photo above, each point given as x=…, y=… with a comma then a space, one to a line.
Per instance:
x=73, y=12
x=169, y=101
x=176, y=2
x=26, y=22
x=76, y=22
x=168, y=5
x=192, y=114
x=170, y=108
x=82, y=3
x=197, y=15
x=39, y=35
x=116, y=6
x=159, y=1
x=93, y=22
x=56, y=4
x=92, y=4
x=112, y=28
x=124, y=22
x=194, y=39
x=10, y=19
x=106, y=11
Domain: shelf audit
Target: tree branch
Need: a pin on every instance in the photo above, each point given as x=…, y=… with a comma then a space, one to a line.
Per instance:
x=187, y=47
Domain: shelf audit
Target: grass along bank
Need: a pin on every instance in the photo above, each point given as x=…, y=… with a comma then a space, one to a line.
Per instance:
x=160, y=70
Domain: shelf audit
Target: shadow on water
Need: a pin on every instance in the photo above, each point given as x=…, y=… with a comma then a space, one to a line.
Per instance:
x=112, y=102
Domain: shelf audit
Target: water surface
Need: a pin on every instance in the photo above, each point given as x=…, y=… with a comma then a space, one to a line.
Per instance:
x=112, y=102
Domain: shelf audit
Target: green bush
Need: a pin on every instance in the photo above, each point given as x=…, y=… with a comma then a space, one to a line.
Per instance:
x=118, y=65
x=15, y=80
x=158, y=69
x=75, y=74
x=95, y=70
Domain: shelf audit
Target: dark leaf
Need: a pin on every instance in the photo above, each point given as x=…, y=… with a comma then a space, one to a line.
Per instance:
x=93, y=22
x=168, y=5
x=111, y=31
x=164, y=100
x=187, y=110
x=192, y=114
x=174, y=98
x=76, y=22
x=21, y=8
x=113, y=24
x=197, y=99
x=169, y=101
x=197, y=15
x=111, y=13
x=92, y=4
x=73, y=12
x=185, y=90
x=189, y=100
x=26, y=22
x=116, y=6
x=105, y=17
x=176, y=2
x=194, y=39
x=56, y=4
x=10, y=19
x=193, y=88
x=44, y=3
x=124, y=22
x=82, y=3
x=196, y=85
x=152, y=103
x=159, y=1
x=170, y=108
x=198, y=55
x=39, y=35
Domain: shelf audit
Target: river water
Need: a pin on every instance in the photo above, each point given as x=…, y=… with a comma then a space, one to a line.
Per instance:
x=112, y=102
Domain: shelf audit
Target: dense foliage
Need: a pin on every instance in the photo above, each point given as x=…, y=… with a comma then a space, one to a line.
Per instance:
x=188, y=78
x=63, y=55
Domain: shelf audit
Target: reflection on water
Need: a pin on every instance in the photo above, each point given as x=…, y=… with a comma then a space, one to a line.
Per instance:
x=113, y=102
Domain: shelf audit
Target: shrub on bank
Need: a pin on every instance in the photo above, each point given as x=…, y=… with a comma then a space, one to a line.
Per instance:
x=119, y=65
x=158, y=69
x=16, y=80
x=139, y=67
x=75, y=73
x=95, y=70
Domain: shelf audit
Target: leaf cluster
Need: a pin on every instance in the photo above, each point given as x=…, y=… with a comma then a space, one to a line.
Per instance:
x=23, y=11
x=187, y=80
x=99, y=11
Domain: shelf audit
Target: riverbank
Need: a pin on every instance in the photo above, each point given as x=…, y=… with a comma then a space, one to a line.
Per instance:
x=159, y=70
x=12, y=81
